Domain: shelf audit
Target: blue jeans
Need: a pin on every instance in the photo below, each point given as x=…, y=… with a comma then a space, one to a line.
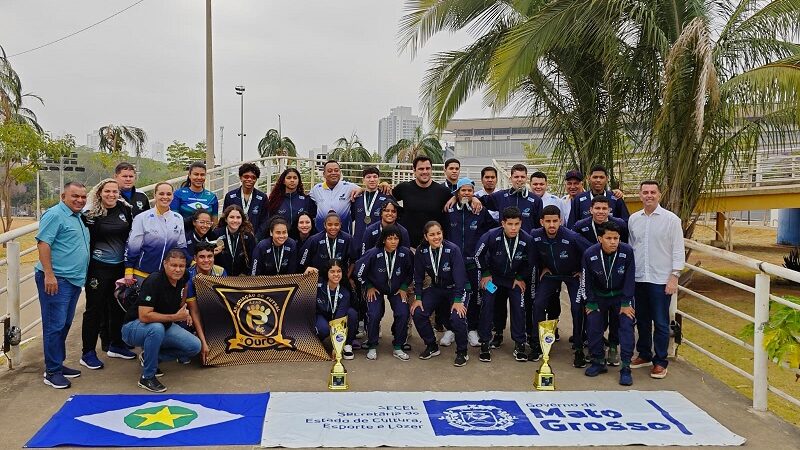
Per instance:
x=159, y=343
x=57, y=313
x=652, y=322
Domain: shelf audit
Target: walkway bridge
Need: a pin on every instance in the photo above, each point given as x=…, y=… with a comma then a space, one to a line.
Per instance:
x=27, y=403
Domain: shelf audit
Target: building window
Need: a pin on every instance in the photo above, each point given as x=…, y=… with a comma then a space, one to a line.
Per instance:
x=483, y=132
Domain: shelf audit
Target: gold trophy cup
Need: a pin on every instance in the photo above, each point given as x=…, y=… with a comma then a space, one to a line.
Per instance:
x=338, y=378
x=545, y=380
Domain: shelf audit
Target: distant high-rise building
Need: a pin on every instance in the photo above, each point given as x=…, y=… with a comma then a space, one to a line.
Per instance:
x=399, y=124
x=93, y=140
x=157, y=151
x=320, y=155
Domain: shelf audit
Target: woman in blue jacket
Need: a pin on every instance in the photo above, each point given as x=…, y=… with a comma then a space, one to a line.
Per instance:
x=388, y=217
x=288, y=199
x=277, y=254
x=193, y=195
x=238, y=239
x=386, y=271
x=154, y=233
x=332, y=243
x=333, y=302
x=440, y=260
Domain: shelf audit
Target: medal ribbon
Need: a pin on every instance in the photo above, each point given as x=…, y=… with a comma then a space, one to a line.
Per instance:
x=511, y=252
x=435, y=264
x=331, y=246
x=608, y=274
x=368, y=207
x=333, y=302
x=278, y=259
x=390, y=262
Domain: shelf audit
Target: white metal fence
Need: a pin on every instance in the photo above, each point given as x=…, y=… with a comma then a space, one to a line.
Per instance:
x=222, y=179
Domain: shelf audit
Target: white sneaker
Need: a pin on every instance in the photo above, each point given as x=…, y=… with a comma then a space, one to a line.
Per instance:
x=447, y=339
x=372, y=354
x=399, y=354
x=474, y=339
x=362, y=332
x=347, y=352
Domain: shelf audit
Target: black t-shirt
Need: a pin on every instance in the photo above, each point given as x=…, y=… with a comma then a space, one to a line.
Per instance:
x=158, y=293
x=420, y=205
x=109, y=234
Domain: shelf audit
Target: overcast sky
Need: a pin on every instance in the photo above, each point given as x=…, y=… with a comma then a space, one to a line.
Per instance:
x=327, y=67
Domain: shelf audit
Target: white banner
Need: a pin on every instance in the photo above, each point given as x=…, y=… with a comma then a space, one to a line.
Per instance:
x=484, y=419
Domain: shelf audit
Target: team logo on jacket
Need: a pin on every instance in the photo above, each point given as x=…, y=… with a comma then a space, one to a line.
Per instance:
x=526, y=212
x=563, y=254
x=139, y=204
x=258, y=318
x=123, y=218
x=473, y=225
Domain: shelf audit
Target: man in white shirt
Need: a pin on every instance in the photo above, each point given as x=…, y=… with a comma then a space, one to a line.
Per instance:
x=538, y=184
x=333, y=194
x=656, y=236
x=573, y=185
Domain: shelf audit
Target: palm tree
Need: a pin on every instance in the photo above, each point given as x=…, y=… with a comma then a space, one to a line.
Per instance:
x=12, y=96
x=114, y=137
x=273, y=144
x=694, y=84
x=350, y=150
x=405, y=150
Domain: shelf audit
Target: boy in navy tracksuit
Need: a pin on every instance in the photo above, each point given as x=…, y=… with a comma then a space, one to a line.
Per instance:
x=333, y=302
x=464, y=228
x=442, y=262
x=598, y=185
x=386, y=270
x=366, y=208
x=609, y=277
x=518, y=196
x=587, y=228
x=556, y=253
x=502, y=258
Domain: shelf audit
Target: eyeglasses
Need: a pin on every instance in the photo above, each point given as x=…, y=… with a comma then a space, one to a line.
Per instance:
x=248, y=177
x=203, y=222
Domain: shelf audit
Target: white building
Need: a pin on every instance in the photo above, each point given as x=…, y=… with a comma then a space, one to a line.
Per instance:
x=399, y=124
x=320, y=155
x=478, y=141
x=93, y=140
x=157, y=151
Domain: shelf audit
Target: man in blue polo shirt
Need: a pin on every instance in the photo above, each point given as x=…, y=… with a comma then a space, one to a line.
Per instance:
x=63, y=244
x=333, y=194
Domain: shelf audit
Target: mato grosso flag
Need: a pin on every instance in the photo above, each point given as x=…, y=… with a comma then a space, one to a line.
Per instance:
x=259, y=319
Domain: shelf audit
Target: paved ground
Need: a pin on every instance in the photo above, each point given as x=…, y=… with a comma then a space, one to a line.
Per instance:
x=26, y=403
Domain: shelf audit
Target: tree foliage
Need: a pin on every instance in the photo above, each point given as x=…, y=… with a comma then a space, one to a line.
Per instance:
x=22, y=150
x=113, y=138
x=12, y=96
x=180, y=155
x=350, y=150
x=273, y=144
x=405, y=150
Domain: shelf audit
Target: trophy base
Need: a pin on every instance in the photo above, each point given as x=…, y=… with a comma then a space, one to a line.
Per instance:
x=338, y=382
x=545, y=381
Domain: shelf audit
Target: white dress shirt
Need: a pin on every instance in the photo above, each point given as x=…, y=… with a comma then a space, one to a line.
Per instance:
x=550, y=199
x=657, y=241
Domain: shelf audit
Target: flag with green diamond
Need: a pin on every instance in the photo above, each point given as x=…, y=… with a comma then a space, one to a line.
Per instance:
x=155, y=420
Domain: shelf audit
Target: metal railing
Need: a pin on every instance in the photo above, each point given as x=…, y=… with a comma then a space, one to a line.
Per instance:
x=221, y=179
x=764, y=272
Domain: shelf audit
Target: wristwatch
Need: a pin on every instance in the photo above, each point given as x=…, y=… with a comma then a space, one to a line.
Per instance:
x=677, y=273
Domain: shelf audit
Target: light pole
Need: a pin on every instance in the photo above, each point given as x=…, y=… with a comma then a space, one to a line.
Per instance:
x=240, y=93
x=209, y=91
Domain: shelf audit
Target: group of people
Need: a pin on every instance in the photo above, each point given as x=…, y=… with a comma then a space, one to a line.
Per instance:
x=446, y=258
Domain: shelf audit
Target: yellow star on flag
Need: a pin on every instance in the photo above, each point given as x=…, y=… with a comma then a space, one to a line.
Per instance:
x=164, y=415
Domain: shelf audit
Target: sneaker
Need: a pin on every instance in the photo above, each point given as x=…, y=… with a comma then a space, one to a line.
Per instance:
x=372, y=354
x=535, y=354
x=151, y=384
x=658, y=372
x=90, y=361
x=473, y=339
x=486, y=354
x=640, y=362
x=406, y=347
x=70, y=373
x=430, y=351
x=625, y=377
x=519, y=352
x=347, y=352
x=184, y=361
x=612, y=357
x=439, y=328
x=159, y=373
x=571, y=340
x=558, y=337
x=400, y=354
x=595, y=369
x=497, y=340
x=120, y=352
x=447, y=339
x=57, y=380
x=461, y=359
x=580, y=359
x=362, y=331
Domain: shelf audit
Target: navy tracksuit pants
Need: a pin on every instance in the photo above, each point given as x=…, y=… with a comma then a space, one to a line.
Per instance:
x=596, y=323
x=472, y=299
x=432, y=300
x=545, y=289
x=375, y=311
x=517, y=303
x=324, y=329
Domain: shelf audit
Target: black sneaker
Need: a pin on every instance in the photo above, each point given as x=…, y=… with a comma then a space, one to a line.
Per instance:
x=519, y=352
x=580, y=359
x=535, y=354
x=159, y=373
x=461, y=359
x=431, y=350
x=70, y=373
x=152, y=384
x=486, y=354
x=558, y=337
x=407, y=347
x=497, y=340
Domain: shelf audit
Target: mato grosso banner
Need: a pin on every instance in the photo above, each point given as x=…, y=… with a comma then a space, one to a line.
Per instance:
x=250, y=320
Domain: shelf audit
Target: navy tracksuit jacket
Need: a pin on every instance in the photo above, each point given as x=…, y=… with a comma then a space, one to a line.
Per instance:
x=319, y=248
x=528, y=203
x=256, y=212
x=582, y=203
x=585, y=229
x=330, y=306
x=266, y=258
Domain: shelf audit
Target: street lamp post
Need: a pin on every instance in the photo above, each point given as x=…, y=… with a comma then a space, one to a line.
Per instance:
x=240, y=93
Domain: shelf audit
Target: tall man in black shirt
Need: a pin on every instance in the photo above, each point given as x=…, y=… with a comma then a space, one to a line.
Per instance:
x=423, y=200
x=150, y=324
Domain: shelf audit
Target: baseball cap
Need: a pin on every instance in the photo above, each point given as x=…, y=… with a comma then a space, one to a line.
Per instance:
x=576, y=174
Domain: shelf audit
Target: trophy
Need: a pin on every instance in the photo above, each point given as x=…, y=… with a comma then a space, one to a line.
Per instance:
x=545, y=379
x=338, y=378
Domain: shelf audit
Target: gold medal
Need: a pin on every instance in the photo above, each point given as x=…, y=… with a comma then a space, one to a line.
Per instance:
x=367, y=220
